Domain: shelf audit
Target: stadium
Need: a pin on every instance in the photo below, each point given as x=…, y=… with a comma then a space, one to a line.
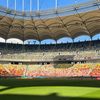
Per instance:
x=40, y=56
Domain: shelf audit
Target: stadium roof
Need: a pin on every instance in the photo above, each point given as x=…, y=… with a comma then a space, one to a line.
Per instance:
x=72, y=21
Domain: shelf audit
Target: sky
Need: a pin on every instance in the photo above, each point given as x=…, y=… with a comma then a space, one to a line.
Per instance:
x=43, y=5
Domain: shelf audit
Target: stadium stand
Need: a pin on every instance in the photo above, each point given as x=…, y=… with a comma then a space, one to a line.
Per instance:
x=80, y=50
x=51, y=60
x=50, y=70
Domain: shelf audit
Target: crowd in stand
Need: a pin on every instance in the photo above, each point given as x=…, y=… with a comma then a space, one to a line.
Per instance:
x=50, y=70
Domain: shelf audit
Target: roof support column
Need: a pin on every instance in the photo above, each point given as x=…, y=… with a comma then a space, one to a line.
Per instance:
x=90, y=43
x=56, y=4
x=15, y=5
x=6, y=46
x=38, y=5
x=23, y=5
x=55, y=45
x=7, y=4
x=72, y=40
x=39, y=48
x=23, y=47
x=70, y=47
x=30, y=5
x=91, y=38
x=34, y=42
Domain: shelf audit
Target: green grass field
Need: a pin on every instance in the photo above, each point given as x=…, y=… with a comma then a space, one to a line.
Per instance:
x=43, y=89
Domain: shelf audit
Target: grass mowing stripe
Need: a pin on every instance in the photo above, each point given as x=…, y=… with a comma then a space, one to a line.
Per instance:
x=93, y=94
x=60, y=90
x=44, y=88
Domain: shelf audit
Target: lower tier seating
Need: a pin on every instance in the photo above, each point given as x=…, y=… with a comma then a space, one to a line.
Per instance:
x=50, y=70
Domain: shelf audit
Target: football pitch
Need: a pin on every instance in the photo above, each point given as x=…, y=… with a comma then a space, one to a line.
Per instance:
x=49, y=89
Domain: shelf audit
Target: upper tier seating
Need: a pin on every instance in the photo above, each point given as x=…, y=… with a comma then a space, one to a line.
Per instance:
x=81, y=51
